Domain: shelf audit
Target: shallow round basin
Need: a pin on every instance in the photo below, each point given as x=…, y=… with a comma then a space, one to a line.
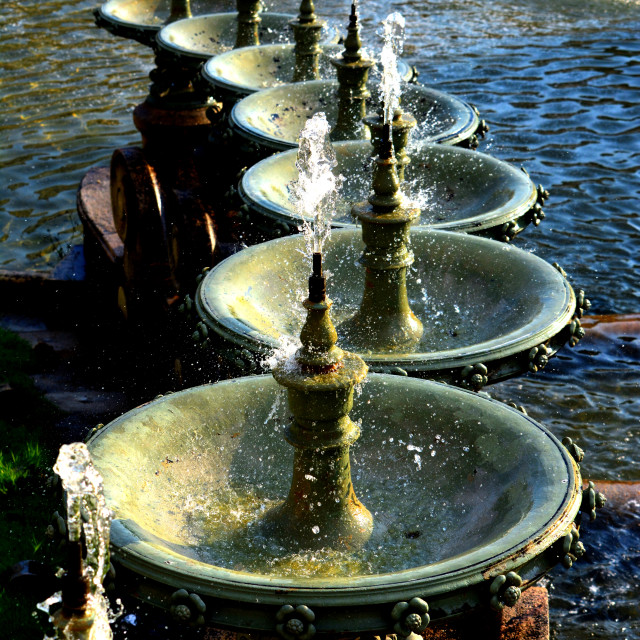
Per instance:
x=274, y=117
x=456, y=189
x=250, y=69
x=142, y=19
x=195, y=40
x=481, y=303
x=461, y=489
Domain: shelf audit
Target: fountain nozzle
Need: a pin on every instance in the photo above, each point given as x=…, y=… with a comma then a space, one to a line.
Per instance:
x=317, y=281
x=76, y=588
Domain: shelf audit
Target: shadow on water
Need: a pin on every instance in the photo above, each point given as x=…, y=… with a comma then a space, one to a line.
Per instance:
x=559, y=84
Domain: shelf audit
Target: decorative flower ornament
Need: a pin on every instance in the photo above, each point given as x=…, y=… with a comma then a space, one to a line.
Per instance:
x=410, y=617
x=474, y=377
x=538, y=358
x=592, y=500
x=582, y=303
x=295, y=623
x=187, y=608
x=505, y=590
x=508, y=231
x=572, y=548
x=575, y=331
x=543, y=194
x=574, y=450
x=536, y=214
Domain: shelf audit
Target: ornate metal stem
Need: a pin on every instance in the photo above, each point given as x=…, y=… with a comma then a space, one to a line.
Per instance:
x=385, y=321
x=248, y=21
x=306, y=32
x=75, y=617
x=322, y=509
x=401, y=126
x=352, y=71
x=179, y=9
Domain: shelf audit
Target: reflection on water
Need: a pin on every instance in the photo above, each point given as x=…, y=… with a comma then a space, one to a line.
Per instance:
x=560, y=85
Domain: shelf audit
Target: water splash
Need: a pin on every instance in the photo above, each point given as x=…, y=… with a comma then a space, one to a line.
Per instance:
x=87, y=510
x=393, y=33
x=315, y=193
x=88, y=516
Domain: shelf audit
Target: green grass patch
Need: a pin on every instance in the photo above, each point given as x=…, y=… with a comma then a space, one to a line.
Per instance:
x=25, y=464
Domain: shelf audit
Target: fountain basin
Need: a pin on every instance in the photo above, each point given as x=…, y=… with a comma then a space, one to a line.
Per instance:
x=480, y=302
x=457, y=189
x=142, y=20
x=274, y=117
x=208, y=459
x=193, y=41
x=244, y=71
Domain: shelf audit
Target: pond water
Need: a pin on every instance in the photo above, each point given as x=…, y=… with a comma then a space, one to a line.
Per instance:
x=559, y=84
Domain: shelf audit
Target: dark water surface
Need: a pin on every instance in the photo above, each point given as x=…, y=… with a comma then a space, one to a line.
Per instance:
x=559, y=84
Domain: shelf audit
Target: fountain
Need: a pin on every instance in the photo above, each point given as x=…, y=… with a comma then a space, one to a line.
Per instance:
x=167, y=223
x=238, y=73
x=192, y=41
x=84, y=613
x=206, y=531
x=274, y=117
x=456, y=281
x=457, y=190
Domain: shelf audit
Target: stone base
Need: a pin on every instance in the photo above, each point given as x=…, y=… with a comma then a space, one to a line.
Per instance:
x=103, y=247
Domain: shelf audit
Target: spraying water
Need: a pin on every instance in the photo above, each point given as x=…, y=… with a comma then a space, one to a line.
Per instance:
x=315, y=193
x=88, y=519
x=393, y=32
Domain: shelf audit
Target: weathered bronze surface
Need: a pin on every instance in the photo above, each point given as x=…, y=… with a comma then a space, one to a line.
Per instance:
x=514, y=498
x=457, y=282
x=457, y=190
x=274, y=117
x=384, y=320
x=320, y=380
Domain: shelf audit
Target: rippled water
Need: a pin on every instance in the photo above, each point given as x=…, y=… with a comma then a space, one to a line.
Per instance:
x=559, y=83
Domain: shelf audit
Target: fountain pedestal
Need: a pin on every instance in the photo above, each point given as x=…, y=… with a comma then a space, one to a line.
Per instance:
x=321, y=510
x=384, y=321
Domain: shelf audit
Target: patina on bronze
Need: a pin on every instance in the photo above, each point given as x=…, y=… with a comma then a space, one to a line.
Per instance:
x=352, y=69
x=401, y=125
x=384, y=321
x=321, y=510
x=307, y=29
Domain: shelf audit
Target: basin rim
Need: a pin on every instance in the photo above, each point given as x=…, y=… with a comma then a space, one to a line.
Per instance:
x=218, y=81
x=238, y=118
x=473, y=224
x=233, y=329
x=170, y=568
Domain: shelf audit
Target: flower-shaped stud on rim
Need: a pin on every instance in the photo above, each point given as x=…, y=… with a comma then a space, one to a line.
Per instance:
x=475, y=376
x=576, y=332
x=187, y=608
x=572, y=548
x=592, y=500
x=295, y=623
x=505, y=590
x=410, y=617
x=582, y=303
x=538, y=358
x=574, y=450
